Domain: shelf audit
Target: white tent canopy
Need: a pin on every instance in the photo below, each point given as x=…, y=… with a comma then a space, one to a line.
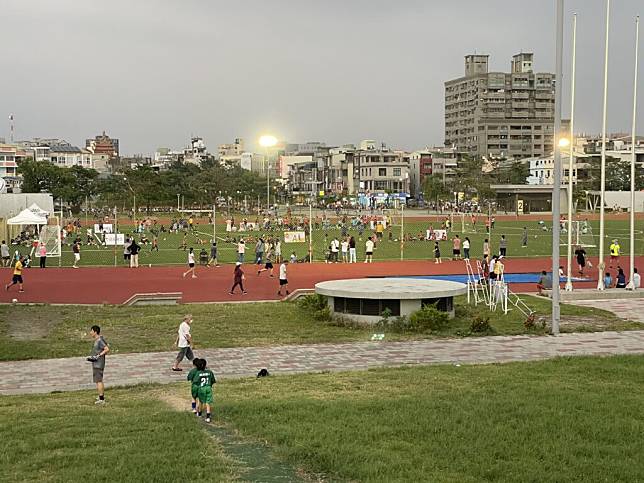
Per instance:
x=27, y=217
x=38, y=210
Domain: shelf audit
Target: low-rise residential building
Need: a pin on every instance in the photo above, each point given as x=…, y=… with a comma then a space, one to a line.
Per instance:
x=382, y=170
x=421, y=165
x=68, y=156
x=10, y=155
x=235, y=148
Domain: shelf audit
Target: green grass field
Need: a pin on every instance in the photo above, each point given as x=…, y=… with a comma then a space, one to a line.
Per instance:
x=539, y=243
x=573, y=419
x=42, y=331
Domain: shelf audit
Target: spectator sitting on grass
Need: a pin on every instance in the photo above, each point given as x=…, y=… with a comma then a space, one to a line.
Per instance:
x=620, y=281
x=544, y=283
x=608, y=280
x=203, y=257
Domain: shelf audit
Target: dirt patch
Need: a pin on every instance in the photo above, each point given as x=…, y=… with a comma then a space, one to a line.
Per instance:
x=31, y=323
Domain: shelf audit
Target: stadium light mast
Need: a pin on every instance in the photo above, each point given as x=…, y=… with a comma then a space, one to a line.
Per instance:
x=556, y=187
x=631, y=285
x=571, y=158
x=602, y=190
x=267, y=141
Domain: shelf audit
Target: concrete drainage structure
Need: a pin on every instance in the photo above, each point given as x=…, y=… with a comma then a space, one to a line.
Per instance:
x=364, y=299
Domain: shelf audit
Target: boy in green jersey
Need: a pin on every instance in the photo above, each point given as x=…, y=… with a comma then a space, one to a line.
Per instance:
x=204, y=379
x=193, y=386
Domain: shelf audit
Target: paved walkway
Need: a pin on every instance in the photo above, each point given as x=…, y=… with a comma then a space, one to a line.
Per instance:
x=632, y=309
x=75, y=373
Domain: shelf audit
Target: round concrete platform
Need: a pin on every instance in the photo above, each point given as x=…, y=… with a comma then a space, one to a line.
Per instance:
x=365, y=299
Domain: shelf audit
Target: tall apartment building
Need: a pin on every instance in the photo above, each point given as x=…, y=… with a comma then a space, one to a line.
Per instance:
x=499, y=114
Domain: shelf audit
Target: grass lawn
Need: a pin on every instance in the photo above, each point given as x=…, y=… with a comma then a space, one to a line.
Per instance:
x=576, y=419
x=569, y=419
x=65, y=438
x=42, y=331
x=539, y=243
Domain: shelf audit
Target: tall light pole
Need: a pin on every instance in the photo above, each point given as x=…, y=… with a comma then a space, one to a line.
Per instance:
x=572, y=155
x=601, y=264
x=267, y=141
x=631, y=285
x=556, y=187
x=134, y=195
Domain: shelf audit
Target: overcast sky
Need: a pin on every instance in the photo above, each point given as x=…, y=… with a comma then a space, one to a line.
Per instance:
x=152, y=73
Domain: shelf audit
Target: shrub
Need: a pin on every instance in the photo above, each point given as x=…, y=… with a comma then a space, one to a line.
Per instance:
x=481, y=325
x=316, y=305
x=428, y=318
x=534, y=323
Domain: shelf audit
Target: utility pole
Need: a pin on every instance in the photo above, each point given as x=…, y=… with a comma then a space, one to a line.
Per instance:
x=556, y=187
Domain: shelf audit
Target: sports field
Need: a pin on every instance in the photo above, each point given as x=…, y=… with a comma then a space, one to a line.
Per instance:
x=529, y=421
x=539, y=241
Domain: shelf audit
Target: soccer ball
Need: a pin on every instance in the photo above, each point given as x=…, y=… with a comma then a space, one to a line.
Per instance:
x=14, y=301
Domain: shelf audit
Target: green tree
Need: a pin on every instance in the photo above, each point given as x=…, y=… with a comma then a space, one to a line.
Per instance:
x=434, y=189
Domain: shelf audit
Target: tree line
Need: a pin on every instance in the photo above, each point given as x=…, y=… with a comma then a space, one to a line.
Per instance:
x=198, y=185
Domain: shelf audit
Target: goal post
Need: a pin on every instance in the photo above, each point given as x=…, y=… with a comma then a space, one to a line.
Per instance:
x=50, y=237
x=581, y=233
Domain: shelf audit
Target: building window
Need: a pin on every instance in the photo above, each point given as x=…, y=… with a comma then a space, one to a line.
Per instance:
x=396, y=171
x=382, y=171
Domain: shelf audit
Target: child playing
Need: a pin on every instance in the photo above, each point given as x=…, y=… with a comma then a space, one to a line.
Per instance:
x=194, y=388
x=204, y=379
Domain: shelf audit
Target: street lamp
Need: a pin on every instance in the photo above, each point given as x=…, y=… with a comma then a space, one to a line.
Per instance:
x=267, y=141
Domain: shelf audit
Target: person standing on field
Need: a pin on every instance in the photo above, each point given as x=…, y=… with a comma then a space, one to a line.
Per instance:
x=191, y=264
x=42, y=253
x=184, y=343
x=503, y=246
x=369, y=246
x=213, y=255
x=524, y=237
x=283, y=278
x=466, y=248
x=135, y=248
x=241, y=251
x=76, y=250
x=97, y=358
x=17, y=275
x=4, y=253
x=456, y=248
x=352, y=250
x=238, y=279
x=437, y=253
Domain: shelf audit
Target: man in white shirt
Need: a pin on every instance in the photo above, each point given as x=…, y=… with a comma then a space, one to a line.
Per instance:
x=241, y=250
x=283, y=278
x=184, y=343
x=335, y=248
x=369, y=246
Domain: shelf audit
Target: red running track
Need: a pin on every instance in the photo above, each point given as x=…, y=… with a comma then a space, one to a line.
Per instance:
x=116, y=285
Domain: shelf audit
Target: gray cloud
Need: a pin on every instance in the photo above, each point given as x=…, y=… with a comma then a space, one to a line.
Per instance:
x=152, y=73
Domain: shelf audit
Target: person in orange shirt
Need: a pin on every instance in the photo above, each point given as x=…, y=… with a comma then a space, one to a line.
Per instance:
x=17, y=275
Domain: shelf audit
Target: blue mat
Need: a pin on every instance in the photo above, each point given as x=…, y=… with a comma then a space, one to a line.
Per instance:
x=509, y=278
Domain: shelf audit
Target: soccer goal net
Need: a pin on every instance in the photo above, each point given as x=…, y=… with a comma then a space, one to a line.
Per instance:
x=50, y=236
x=581, y=233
